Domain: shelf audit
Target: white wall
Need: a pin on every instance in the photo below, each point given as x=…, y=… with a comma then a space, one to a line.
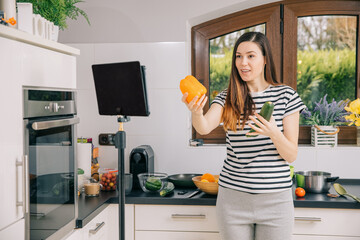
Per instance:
x=166, y=55
x=135, y=21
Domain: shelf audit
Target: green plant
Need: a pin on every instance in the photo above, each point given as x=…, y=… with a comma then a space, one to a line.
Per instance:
x=57, y=11
x=326, y=114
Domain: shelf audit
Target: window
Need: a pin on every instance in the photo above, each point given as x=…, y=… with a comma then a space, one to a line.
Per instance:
x=221, y=49
x=297, y=31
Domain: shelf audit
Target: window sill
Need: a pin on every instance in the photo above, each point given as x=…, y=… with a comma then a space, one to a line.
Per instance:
x=339, y=147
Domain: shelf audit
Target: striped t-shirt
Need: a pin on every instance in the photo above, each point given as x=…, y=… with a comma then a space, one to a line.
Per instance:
x=253, y=164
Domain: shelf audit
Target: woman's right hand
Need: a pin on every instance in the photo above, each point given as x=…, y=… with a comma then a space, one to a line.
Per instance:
x=196, y=107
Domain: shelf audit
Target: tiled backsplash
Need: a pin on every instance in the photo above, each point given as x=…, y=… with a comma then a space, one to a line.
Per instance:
x=168, y=128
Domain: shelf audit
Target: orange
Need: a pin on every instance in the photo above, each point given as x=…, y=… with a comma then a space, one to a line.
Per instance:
x=300, y=192
x=208, y=176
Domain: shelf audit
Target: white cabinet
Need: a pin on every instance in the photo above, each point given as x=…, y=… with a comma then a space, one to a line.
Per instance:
x=314, y=237
x=106, y=225
x=114, y=221
x=326, y=223
x=159, y=235
x=175, y=222
x=14, y=231
x=11, y=138
x=23, y=64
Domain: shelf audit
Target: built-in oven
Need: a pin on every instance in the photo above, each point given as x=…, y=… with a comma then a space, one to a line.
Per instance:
x=50, y=126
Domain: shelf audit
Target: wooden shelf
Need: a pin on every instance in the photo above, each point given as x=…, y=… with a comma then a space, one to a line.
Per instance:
x=15, y=34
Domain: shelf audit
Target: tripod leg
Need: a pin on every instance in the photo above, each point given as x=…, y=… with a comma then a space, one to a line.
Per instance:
x=120, y=144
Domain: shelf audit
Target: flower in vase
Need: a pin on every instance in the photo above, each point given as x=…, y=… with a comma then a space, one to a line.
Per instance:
x=354, y=110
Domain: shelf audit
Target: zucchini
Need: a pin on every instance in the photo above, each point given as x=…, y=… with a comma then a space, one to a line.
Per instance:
x=169, y=188
x=266, y=112
x=153, y=184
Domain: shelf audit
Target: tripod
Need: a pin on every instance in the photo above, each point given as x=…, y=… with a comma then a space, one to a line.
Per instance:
x=120, y=144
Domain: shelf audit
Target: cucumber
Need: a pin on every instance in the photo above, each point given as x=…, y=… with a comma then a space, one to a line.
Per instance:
x=266, y=112
x=153, y=184
x=169, y=188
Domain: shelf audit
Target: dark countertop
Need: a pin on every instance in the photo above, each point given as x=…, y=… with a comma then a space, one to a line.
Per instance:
x=89, y=207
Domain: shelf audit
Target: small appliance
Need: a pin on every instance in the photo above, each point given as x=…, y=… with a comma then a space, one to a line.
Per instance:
x=141, y=161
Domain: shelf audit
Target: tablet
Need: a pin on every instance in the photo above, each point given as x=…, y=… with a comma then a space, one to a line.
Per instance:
x=121, y=89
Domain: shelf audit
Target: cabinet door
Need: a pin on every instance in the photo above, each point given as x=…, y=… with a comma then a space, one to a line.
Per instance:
x=11, y=129
x=45, y=68
x=314, y=237
x=327, y=221
x=146, y=235
x=77, y=234
x=14, y=231
x=176, y=218
x=113, y=216
x=98, y=227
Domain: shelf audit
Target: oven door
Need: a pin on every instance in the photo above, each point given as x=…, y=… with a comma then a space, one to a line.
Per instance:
x=50, y=145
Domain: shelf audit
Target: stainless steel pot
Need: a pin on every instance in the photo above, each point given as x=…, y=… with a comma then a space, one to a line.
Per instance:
x=314, y=181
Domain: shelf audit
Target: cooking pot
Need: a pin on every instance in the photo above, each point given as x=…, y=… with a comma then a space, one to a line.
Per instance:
x=314, y=181
x=183, y=180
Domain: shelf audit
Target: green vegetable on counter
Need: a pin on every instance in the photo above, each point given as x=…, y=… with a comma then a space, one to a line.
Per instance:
x=169, y=188
x=153, y=184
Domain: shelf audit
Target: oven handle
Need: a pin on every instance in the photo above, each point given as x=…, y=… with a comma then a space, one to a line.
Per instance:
x=54, y=123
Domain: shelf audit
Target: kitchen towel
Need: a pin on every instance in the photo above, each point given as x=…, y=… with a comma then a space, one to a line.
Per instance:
x=84, y=157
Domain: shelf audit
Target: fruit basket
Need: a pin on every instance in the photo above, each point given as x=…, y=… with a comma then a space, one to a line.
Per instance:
x=209, y=187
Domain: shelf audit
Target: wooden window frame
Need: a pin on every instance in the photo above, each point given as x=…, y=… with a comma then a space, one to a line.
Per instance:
x=283, y=43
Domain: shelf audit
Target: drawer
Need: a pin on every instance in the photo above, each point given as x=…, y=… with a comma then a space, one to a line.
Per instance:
x=146, y=235
x=98, y=227
x=314, y=237
x=175, y=218
x=321, y=221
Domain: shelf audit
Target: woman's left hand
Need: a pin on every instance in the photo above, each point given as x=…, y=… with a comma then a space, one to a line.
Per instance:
x=264, y=127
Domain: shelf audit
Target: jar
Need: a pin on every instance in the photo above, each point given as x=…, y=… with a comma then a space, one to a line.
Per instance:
x=108, y=179
x=92, y=189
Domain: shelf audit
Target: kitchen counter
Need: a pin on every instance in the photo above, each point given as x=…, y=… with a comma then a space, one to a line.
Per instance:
x=89, y=207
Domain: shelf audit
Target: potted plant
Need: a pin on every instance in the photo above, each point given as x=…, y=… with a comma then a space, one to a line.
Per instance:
x=354, y=117
x=325, y=118
x=57, y=11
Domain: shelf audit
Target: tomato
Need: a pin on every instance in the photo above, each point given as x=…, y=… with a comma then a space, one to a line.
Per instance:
x=300, y=192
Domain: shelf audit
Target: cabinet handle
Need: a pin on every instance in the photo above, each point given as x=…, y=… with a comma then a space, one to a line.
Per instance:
x=308, y=219
x=201, y=216
x=98, y=227
x=23, y=164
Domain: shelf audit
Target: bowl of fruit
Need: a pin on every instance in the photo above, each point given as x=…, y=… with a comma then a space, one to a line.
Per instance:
x=108, y=179
x=207, y=183
x=152, y=182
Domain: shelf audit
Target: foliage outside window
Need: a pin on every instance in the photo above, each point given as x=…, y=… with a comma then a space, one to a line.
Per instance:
x=221, y=50
x=326, y=58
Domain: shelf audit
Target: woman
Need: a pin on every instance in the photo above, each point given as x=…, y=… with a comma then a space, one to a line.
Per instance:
x=255, y=198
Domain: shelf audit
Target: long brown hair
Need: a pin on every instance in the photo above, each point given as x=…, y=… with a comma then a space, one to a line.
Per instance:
x=239, y=104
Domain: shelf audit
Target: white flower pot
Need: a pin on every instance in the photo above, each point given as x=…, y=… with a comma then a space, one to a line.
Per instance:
x=38, y=25
x=54, y=33
x=25, y=15
x=324, y=136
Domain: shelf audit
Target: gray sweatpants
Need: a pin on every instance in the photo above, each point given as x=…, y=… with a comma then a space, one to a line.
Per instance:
x=245, y=216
